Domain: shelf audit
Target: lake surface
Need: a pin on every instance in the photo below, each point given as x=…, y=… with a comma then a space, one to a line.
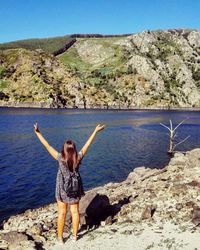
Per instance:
x=131, y=139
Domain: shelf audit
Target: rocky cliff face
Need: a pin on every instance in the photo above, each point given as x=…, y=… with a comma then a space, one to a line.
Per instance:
x=157, y=68
x=146, y=199
x=148, y=69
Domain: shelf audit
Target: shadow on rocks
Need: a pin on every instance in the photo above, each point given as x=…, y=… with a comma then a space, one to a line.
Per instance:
x=115, y=208
x=95, y=208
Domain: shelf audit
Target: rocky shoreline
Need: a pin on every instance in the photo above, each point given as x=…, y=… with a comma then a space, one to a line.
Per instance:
x=151, y=209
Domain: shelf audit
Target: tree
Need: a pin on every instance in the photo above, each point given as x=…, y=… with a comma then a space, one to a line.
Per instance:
x=173, y=135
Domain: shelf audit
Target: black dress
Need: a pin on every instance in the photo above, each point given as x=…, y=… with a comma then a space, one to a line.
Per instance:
x=62, y=178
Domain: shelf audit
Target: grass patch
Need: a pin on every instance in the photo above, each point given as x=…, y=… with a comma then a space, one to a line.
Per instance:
x=47, y=44
x=72, y=60
x=2, y=72
x=3, y=84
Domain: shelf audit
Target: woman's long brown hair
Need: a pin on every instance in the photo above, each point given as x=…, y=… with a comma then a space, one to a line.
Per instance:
x=69, y=155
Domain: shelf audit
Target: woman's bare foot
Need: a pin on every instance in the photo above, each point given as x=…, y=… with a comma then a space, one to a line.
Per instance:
x=60, y=241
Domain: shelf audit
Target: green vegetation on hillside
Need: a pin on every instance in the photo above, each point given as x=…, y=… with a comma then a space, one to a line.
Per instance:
x=109, y=68
x=74, y=62
x=47, y=44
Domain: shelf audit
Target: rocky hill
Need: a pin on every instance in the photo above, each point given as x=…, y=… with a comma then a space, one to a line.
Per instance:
x=148, y=69
x=151, y=209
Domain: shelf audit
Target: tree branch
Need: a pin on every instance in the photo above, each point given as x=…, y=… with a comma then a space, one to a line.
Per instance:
x=181, y=142
x=173, y=135
x=180, y=124
x=171, y=127
x=164, y=126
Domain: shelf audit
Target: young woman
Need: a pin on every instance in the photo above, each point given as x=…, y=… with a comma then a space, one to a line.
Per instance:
x=69, y=160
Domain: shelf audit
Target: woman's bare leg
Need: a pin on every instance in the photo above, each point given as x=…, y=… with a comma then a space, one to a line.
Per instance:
x=62, y=211
x=74, y=208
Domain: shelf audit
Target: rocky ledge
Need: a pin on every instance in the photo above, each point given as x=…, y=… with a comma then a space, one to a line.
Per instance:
x=146, y=207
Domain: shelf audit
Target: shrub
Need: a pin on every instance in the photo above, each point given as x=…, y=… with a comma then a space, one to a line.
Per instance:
x=3, y=96
x=3, y=84
x=130, y=69
x=115, y=96
x=2, y=72
x=196, y=75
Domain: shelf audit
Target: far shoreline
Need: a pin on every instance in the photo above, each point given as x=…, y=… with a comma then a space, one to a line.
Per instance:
x=103, y=108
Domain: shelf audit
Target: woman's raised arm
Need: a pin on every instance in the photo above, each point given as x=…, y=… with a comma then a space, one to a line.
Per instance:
x=49, y=148
x=91, y=138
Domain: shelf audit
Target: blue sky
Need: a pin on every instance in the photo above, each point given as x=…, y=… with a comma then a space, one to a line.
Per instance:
x=22, y=19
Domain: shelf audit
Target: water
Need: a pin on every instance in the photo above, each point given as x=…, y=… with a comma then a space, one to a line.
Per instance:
x=131, y=139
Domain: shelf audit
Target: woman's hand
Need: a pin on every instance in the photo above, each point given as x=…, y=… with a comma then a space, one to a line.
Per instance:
x=36, y=129
x=49, y=148
x=99, y=127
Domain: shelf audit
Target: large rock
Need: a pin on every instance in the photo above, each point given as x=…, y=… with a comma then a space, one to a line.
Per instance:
x=93, y=209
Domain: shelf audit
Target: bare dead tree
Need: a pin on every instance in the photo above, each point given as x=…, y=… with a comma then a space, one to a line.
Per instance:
x=172, y=135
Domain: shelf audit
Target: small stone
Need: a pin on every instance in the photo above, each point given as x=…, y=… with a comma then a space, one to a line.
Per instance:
x=190, y=204
x=39, y=238
x=127, y=232
x=137, y=233
x=113, y=230
x=196, y=215
x=108, y=220
x=133, y=197
x=148, y=212
x=165, y=178
x=103, y=223
x=36, y=229
x=179, y=206
x=48, y=226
